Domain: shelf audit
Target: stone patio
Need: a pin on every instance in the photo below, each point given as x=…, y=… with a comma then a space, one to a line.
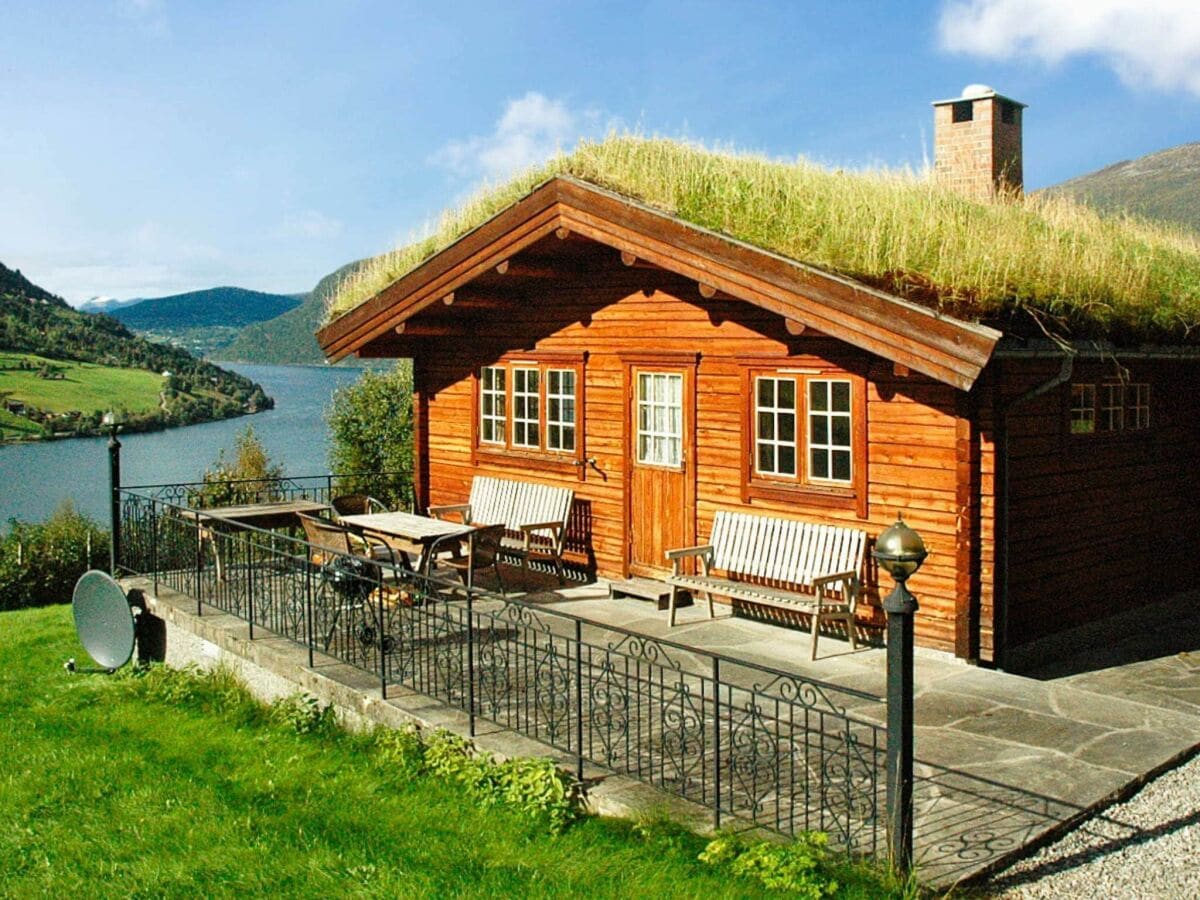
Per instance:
x=1003, y=762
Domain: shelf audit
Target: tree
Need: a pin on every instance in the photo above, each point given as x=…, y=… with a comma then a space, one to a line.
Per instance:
x=370, y=422
x=251, y=477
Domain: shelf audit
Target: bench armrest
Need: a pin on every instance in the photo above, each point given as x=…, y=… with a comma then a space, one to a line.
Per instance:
x=849, y=591
x=555, y=529
x=441, y=512
x=704, y=551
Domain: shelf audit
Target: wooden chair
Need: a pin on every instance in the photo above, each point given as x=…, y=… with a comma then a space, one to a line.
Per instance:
x=357, y=505
x=338, y=539
x=485, y=548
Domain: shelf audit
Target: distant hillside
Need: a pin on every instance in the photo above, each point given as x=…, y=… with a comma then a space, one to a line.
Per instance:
x=226, y=306
x=105, y=304
x=1163, y=185
x=289, y=338
x=34, y=322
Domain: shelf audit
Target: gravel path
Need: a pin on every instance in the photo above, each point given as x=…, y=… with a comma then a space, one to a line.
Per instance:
x=1148, y=846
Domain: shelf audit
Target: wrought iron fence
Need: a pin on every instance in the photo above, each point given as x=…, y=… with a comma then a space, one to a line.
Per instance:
x=750, y=742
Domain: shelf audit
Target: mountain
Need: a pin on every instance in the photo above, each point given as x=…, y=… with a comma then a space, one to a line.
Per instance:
x=289, y=338
x=105, y=304
x=38, y=328
x=224, y=306
x=1163, y=185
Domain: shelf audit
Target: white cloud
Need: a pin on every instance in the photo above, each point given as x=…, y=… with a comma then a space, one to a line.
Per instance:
x=148, y=15
x=310, y=224
x=1147, y=42
x=531, y=130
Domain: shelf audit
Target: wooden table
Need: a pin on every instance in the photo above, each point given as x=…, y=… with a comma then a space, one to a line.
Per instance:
x=268, y=516
x=419, y=531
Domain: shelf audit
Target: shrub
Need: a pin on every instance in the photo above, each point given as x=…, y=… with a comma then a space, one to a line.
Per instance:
x=250, y=477
x=798, y=867
x=40, y=563
x=303, y=714
x=370, y=425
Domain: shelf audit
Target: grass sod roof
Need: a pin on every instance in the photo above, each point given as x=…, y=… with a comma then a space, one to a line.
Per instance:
x=1046, y=258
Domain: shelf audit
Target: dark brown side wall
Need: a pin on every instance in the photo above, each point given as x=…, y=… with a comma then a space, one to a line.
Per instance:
x=1105, y=522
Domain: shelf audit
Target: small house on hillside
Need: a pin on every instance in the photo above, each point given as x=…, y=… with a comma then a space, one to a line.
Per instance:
x=669, y=359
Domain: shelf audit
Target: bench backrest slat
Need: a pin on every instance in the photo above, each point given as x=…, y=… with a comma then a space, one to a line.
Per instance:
x=511, y=503
x=784, y=550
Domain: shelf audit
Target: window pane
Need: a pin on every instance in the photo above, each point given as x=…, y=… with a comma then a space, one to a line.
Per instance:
x=674, y=456
x=820, y=429
x=787, y=427
x=841, y=431
x=568, y=439
x=787, y=460
x=766, y=426
x=818, y=398
x=554, y=435
x=787, y=394
x=766, y=392
x=841, y=396
x=841, y=465
x=819, y=464
x=766, y=458
x=568, y=410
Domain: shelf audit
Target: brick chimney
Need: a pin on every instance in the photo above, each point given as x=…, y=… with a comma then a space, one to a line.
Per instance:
x=977, y=142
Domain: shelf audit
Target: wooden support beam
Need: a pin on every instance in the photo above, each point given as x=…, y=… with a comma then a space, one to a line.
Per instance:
x=628, y=258
x=795, y=328
x=503, y=267
x=449, y=298
x=900, y=370
x=562, y=233
x=423, y=329
x=707, y=291
x=537, y=270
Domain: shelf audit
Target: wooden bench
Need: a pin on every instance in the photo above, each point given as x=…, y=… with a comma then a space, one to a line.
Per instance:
x=794, y=565
x=534, y=516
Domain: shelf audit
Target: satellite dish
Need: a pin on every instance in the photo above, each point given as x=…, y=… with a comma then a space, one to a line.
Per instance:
x=103, y=620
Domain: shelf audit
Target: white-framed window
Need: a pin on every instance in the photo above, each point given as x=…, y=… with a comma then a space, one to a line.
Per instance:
x=493, y=405
x=775, y=425
x=1112, y=407
x=830, y=430
x=1137, y=397
x=560, y=410
x=526, y=397
x=1083, y=409
x=660, y=419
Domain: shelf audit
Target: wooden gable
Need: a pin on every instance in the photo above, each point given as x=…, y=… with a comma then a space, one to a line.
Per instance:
x=946, y=349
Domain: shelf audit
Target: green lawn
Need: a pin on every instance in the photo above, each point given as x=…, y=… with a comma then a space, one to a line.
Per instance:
x=85, y=387
x=14, y=426
x=104, y=792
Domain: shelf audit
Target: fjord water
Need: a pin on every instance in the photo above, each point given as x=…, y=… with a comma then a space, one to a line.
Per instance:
x=36, y=477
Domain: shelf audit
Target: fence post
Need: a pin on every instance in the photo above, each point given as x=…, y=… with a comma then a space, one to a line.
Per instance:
x=114, y=495
x=382, y=632
x=470, y=663
x=199, y=543
x=250, y=584
x=579, y=699
x=153, y=543
x=308, y=610
x=716, y=679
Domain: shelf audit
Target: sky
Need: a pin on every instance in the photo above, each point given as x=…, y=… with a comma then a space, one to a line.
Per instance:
x=149, y=147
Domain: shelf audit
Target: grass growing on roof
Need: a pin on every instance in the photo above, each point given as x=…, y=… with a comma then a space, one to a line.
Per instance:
x=189, y=788
x=1061, y=261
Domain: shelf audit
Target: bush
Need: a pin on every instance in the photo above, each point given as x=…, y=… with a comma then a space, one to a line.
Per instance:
x=251, y=477
x=370, y=425
x=39, y=564
x=798, y=867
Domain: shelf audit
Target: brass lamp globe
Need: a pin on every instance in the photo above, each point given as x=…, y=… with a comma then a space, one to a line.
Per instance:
x=900, y=550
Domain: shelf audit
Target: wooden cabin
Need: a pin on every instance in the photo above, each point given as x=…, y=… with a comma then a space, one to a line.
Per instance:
x=664, y=372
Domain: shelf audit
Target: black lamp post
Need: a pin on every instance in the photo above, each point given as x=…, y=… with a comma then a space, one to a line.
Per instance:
x=112, y=421
x=900, y=551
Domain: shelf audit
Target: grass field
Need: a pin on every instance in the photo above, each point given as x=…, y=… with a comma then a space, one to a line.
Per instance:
x=107, y=793
x=16, y=427
x=85, y=387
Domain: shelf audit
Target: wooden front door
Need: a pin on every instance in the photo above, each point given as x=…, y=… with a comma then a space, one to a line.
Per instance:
x=660, y=509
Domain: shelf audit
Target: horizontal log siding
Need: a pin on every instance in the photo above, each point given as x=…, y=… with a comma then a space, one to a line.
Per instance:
x=911, y=439
x=1105, y=522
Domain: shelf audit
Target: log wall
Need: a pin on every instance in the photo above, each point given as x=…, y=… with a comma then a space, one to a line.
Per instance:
x=919, y=442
